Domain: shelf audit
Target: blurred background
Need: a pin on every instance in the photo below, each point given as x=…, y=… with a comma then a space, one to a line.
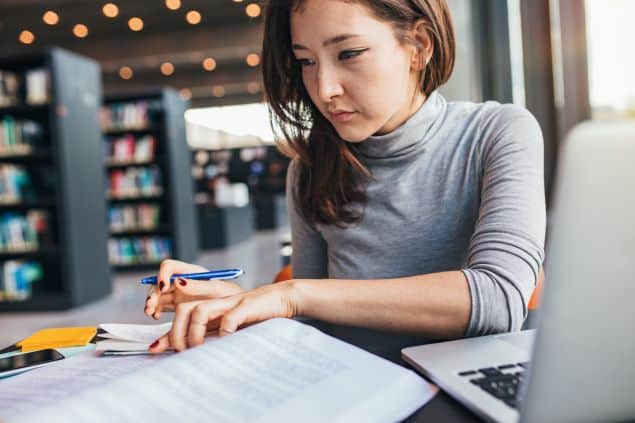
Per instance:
x=131, y=132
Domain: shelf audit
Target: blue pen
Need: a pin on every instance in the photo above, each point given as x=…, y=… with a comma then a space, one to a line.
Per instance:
x=202, y=276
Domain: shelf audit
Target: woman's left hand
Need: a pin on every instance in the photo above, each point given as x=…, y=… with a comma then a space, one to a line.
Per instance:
x=194, y=319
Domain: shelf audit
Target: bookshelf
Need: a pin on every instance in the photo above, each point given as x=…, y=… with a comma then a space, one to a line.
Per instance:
x=149, y=189
x=53, y=231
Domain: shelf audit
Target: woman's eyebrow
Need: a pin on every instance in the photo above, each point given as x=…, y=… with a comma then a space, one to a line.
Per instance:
x=332, y=40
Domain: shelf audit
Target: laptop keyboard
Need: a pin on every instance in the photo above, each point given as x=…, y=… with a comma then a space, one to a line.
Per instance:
x=503, y=381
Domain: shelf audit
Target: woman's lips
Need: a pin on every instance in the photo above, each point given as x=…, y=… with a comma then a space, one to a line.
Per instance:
x=342, y=116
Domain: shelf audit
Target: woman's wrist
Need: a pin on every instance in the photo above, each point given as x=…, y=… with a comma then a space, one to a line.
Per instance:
x=295, y=294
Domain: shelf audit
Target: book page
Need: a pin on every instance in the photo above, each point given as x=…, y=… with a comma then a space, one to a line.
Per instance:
x=145, y=334
x=66, y=378
x=279, y=370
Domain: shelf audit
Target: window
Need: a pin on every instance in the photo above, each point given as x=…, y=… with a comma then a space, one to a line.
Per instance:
x=610, y=35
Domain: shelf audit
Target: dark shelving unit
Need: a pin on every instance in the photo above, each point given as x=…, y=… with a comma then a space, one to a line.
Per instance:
x=177, y=218
x=73, y=259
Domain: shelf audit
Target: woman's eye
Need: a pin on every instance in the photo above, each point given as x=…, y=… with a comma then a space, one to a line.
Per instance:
x=304, y=62
x=349, y=54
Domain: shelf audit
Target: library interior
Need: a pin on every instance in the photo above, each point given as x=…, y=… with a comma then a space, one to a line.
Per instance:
x=178, y=174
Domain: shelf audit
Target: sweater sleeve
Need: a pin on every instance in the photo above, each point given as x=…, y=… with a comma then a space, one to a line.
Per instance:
x=309, y=258
x=506, y=251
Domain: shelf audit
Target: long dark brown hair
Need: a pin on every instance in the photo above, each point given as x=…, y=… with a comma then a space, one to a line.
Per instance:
x=331, y=178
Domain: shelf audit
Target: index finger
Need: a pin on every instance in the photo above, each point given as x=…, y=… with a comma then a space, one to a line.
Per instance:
x=169, y=267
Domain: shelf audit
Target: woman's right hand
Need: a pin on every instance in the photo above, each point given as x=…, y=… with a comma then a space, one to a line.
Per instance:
x=166, y=296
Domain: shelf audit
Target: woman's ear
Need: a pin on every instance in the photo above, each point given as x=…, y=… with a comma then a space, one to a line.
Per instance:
x=423, y=43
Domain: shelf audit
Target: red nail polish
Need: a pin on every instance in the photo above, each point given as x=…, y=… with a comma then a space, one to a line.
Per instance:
x=161, y=285
x=154, y=344
x=148, y=298
x=182, y=282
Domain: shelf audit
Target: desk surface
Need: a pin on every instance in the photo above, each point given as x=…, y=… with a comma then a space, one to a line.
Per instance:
x=443, y=408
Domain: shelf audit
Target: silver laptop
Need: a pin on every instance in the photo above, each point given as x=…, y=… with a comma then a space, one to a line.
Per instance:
x=580, y=363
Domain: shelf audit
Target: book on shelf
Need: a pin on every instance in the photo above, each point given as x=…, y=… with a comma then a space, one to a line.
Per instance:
x=129, y=150
x=139, y=250
x=125, y=116
x=35, y=82
x=9, y=88
x=16, y=278
x=135, y=182
x=15, y=185
x=279, y=370
x=37, y=86
x=24, y=232
x=133, y=217
x=19, y=136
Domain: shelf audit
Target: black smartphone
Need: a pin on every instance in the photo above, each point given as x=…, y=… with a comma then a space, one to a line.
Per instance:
x=16, y=363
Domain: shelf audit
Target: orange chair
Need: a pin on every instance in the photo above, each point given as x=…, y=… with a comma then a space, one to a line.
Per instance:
x=534, y=301
x=284, y=274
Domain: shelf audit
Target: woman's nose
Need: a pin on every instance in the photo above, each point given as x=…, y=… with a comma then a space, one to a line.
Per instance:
x=328, y=84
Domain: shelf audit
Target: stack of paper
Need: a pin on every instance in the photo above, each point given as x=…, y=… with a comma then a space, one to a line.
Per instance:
x=276, y=371
x=123, y=339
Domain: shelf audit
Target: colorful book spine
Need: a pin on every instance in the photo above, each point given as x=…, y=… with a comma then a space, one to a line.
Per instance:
x=133, y=217
x=139, y=250
x=24, y=232
x=135, y=182
x=16, y=279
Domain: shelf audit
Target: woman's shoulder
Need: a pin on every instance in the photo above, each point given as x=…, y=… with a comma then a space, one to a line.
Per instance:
x=492, y=121
x=491, y=114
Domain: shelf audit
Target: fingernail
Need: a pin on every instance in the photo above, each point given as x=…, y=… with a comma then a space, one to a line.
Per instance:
x=148, y=298
x=161, y=285
x=182, y=282
x=154, y=344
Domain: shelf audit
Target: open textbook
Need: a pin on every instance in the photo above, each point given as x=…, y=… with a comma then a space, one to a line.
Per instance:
x=276, y=371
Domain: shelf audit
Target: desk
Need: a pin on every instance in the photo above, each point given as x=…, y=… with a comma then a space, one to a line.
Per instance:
x=443, y=408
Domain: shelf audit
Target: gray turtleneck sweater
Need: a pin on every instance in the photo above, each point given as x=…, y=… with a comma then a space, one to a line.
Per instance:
x=459, y=186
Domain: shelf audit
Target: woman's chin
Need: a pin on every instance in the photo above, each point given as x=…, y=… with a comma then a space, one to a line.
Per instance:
x=353, y=135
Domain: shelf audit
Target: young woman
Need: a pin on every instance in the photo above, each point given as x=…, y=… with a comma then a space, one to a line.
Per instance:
x=412, y=218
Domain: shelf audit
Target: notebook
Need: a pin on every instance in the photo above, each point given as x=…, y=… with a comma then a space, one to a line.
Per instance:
x=57, y=338
x=275, y=371
x=125, y=339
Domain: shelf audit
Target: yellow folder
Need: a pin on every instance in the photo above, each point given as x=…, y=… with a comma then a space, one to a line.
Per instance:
x=58, y=338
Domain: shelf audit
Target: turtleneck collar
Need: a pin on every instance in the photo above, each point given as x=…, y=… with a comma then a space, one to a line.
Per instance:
x=406, y=137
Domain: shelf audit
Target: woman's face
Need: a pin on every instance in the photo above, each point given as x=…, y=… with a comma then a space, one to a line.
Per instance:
x=356, y=72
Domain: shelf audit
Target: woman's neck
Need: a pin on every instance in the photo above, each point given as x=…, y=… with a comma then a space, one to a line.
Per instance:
x=402, y=116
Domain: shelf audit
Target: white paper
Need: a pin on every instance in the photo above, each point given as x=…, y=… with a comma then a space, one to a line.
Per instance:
x=127, y=346
x=130, y=338
x=146, y=334
x=279, y=370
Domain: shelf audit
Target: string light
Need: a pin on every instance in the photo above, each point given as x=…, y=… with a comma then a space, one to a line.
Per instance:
x=135, y=24
x=110, y=10
x=26, y=37
x=218, y=91
x=193, y=17
x=173, y=4
x=253, y=60
x=50, y=17
x=80, y=31
x=253, y=88
x=209, y=64
x=167, y=68
x=253, y=10
x=186, y=94
x=125, y=72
